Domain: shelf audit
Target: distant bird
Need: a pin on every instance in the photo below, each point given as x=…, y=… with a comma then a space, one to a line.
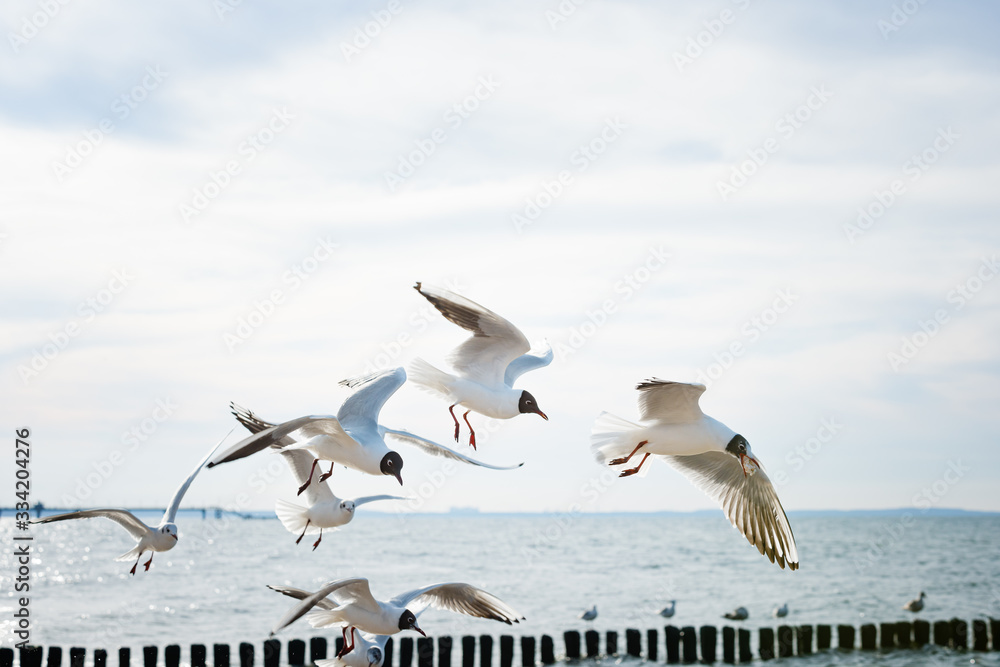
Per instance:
x=710, y=454
x=325, y=509
x=353, y=607
x=161, y=538
x=738, y=614
x=780, y=612
x=916, y=604
x=668, y=611
x=590, y=614
x=488, y=363
x=353, y=438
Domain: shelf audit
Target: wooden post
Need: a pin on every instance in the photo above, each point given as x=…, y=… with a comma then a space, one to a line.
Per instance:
x=485, y=650
x=995, y=632
x=198, y=655
x=728, y=645
x=6, y=657
x=766, y=648
x=980, y=640
x=942, y=633
x=571, y=640
x=743, y=639
x=124, y=657
x=786, y=641
x=390, y=646
x=592, y=639
x=845, y=636
x=633, y=642
x=611, y=643
x=868, y=637
x=527, y=652
x=904, y=634
x=220, y=654
x=406, y=651
x=425, y=652
x=246, y=654
x=709, y=640
x=296, y=652
x=921, y=633
x=100, y=658
x=31, y=656
x=468, y=651
x=652, y=645
x=317, y=649
x=823, y=637
x=444, y=651
x=76, y=656
x=272, y=653
x=172, y=655
x=506, y=651
x=959, y=634
x=689, y=644
x=673, y=640
x=55, y=657
x=804, y=639
x=548, y=650
x=149, y=656
x=887, y=632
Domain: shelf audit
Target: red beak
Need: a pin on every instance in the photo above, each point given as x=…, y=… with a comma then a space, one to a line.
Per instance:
x=542, y=415
x=743, y=458
x=420, y=631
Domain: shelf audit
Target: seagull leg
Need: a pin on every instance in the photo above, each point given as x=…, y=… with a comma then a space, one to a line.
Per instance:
x=309, y=479
x=625, y=459
x=308, y=521
x=451, y=409
x=325, y=476
x=316, y=543
x=632, y=471
x=472, y=434
x=352, y=642
x=132, y=571
x=149, y=562
x=343, y=644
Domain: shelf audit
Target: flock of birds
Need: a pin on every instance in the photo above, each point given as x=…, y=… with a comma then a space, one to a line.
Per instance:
x=487, y=364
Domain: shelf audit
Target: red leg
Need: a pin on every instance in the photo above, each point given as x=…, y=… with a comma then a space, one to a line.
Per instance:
x=309, y=479
x=472, y=434
x=149, y=562
x=316, y=543
x=303, y=531
x=451, y=409
x=132, y=571
x=632, y=471
x=343, y=644
x=625, y=459
x=352, y=642
x=325, y=476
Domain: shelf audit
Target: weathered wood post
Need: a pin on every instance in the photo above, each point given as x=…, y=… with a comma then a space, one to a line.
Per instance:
x=172, y=655
x=220, y=654
x=786, y=641
x=548, y=650
x=995, y=631
x=592, y=639
x=921, y=633
x=124, y=657
x=689, y=644
x=804, y=639
x=6, y=657
x=425, y=652
x=633, y=642
x=959, y=634
x=652, y=645
x=246, y=654
x=100, y=658
x=527, y=652
x=887, y=632
x=406, y=651
x=942, y=633
x=198, y=655
x=506, y=651
x=868, y=636
x=149, y=656
x=766, y=648
x=824, y=635
x=980, y=640
x=728, y=645
x=743, y=639
x=845, y=636
x=272, y=653
x=709, y=640
x=485, y=650
x=390, y=647
x=571, y=640
x=77, y=656
x=444, y=651
x=611, y=643
x=296, y=652
x=31, y=656
x=672, y=636
x=55, y=657
x=317, y=649
x=468, y=651
x=904, y=634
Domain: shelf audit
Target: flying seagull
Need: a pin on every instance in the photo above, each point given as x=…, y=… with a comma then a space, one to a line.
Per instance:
x=161, y=538
x=915, y=604
x=353, y=438
x=710, y=454
x=488, y=363
x=354, y=608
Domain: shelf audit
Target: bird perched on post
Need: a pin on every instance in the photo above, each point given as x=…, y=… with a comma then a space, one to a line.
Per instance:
x=590, y=614
x=915, y=604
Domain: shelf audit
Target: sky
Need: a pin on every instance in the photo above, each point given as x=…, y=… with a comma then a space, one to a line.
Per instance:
x=794, y=204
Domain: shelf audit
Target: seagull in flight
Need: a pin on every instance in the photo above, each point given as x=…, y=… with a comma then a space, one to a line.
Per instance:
x=163, y=537
x=353, y=438
x=915, y=604
x=352, y=607
x=325, y=509
x=488, y=363
x=710, y=454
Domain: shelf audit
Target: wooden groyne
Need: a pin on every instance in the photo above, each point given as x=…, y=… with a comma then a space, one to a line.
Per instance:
x=679, y=645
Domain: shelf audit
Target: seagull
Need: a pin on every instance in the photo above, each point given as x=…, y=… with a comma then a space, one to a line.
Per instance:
x=738, y=614
x=488, y=363
x=915, y=604
x=710, y=454
x=590, y=614
x=371, y=647
x=353, y=607
x=325, y=509
x=161, y=538
x=781, y=612
x=353, y=438
x=668, y=611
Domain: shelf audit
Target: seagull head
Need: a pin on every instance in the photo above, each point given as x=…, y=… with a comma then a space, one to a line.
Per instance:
x=740, y=448
x=392, y=464
x=529, y=404
x=374, y=655
x=169, y=529
x=407, y=621
x=347, y=506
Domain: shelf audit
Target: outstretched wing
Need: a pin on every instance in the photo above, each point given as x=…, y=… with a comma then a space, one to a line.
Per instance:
x=370, y=499
x=494, y=344
x=749, y=501
x=300, y=594
x=252, y=422
x=171, y=513
x=434, y=449
x=362, y=407
x=123, y=518
x=525, y=363
x=669, y=402
x=343, y=591
x=461, y=599
x=300, y=429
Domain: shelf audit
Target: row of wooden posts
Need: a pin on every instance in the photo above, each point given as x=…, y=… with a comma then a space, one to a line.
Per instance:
x=682, y=645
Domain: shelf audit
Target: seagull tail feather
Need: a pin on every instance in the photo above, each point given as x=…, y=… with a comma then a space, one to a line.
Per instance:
x=612, y=437
x=430, y=378
x=293, y=517
x=131, y=554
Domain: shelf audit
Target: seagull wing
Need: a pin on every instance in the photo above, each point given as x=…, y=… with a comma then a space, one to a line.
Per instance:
x=300, y=594
x=750, y=502
x=252, y=422
x=669, y=402
x=461, y=599
x=301, y=462
x=300, y=429
x=123, y=518
x=362, y=407
x=343, y=591
x=171, y=514
x=434, y=449
x=525, y=363
x=494, y=344
x=370, y=499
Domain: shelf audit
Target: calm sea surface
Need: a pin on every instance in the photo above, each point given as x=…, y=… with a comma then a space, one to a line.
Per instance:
x=211, y=587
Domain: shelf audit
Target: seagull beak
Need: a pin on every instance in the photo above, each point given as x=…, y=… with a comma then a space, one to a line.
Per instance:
x=542, y=415
x=175, y=537
x=415, y=627
x=743, y=462
x=399, y=478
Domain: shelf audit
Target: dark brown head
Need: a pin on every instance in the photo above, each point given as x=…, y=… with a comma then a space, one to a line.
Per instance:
x=392, y=464
x=740, y=448
x=529, y=404
x=407, y=621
